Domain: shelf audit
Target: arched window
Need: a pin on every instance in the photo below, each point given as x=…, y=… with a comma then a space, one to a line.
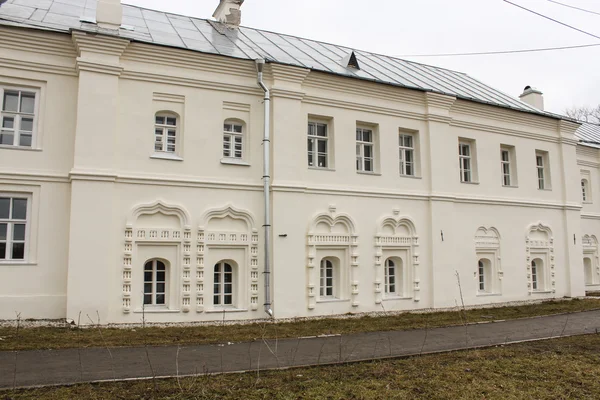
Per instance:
x=328, y=278
x=584, y=190
x=394, y=285
x=484, y=275
x=233, y=139
x=165, y=132
x=155, y=283
x=537, y=275
x=223, y=284
x=587, y=268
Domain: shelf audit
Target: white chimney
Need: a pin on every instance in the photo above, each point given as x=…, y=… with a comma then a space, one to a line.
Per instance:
x=533, y=97
x=109, y=14
x=229, y=12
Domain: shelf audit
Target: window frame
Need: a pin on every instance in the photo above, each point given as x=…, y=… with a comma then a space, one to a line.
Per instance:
x=18, y=117
x=232, y=136
x=154, y=282
x=403, y=150
x=313, y=141
x=219, y=287
x=543, y=170
x=164, y=154
x=333, y=284
x=465, y=161
x=396, y=279
x=361, y=145
x=10, y=222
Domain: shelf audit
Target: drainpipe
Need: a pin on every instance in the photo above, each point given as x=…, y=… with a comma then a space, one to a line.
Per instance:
x=260, y=63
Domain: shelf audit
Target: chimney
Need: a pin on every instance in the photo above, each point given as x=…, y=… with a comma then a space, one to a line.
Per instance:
x=109, y=14
x=533, y=97
x=228, y=12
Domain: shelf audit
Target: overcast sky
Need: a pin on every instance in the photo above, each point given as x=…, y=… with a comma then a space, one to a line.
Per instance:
x=402, y=27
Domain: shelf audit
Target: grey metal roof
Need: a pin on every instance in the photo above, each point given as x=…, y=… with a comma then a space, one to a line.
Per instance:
x=589, y=134
x=196, y=34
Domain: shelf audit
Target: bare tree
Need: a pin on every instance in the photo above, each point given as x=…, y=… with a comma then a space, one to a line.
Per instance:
x=584, y=113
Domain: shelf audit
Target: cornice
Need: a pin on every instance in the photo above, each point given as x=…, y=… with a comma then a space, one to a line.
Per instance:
x=364, y=89
x=159, y=55
x=363, y=107
x=588, y=151
x=568, y=127
x=55, y=44
x=288, y=73
x=590, y=164
x=33, y=176
x=437, y=100
x=288, y=94
x=590, y=216
x=569, y=141
x=99, y=44
x=110, y=69
x=503, y=131
x=188, y=82
x=38, y=67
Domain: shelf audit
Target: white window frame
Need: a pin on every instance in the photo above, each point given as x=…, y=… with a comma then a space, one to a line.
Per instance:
x=219, y=285
x=10, y=223
x=233, y=138
x=327, y=283
x=506, y=167
x=313, y=142
x=391, y=284
x=164, y=135
x=154, y=282
x=18, y=116
x=543, y=170
x=465, y=161
x=403, y=151
x=535, y=283
x=361, y=146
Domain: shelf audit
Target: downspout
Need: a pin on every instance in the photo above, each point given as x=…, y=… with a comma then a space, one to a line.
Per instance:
x=260, y=63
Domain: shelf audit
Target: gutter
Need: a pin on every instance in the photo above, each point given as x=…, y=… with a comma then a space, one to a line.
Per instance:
x=260, y=63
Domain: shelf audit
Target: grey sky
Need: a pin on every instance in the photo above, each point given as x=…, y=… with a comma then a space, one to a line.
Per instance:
x=401, y=27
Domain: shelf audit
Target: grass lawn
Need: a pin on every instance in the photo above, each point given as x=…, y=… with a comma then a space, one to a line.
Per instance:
x=57, y=338
x=566, y=368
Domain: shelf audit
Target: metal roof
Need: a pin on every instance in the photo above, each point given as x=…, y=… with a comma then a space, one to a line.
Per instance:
x=149, y=26
x=589, y=134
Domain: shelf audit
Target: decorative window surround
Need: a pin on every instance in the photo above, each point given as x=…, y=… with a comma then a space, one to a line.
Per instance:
x=157, y=236
x=590, y=250
x=539, y=242
x=487, y=246
x=322, y=242
x=247, y=275
x=403, y=238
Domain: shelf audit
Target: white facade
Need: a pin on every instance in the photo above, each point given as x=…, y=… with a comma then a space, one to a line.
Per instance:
x=143, y=188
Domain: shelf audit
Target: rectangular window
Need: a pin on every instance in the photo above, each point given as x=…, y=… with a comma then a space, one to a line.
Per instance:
x=17, y=117
x=326, y=278
x=318, y=151
x=233, y=140
x=407, y=154
x=543, y=171
x=365, y=158
x=165, y=133
x=465, y=161
x=13, y=228
x=505, y=163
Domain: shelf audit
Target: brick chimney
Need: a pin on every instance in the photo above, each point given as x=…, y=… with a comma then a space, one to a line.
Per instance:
x=228, y=12
x=109, y=14
x=533, y=97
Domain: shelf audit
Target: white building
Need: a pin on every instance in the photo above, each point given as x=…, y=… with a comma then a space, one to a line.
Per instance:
x=131, y=175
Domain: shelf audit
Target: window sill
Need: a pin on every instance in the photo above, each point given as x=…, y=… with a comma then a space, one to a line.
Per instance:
x=483, y=294
x=546, y=189
x=510, y=186
x=234, y=161
x=166, y=156
x=587, y=202
x=540, y=291
x=155, y=310
x=332, y=300
x=410, y=176
x=470, y=183
x=321, y=169
x=368, y=173
x=392, y=298
x=22, y=148
x=226, y=310
x=13, y=263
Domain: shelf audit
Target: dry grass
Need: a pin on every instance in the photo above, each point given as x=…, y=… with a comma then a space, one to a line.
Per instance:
x=567, y=368
x=60, y=338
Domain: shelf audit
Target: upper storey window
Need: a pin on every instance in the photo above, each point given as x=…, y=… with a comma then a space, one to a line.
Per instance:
x=318, y=145
x=17, y=117
x=543, y=170
x=364, y=150
x=407, y=154
x=464, y=155
x=165, y=133
x=233, y=140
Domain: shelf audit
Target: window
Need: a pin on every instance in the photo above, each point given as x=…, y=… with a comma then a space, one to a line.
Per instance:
x=585, y=191
x=165, y=133
x=538, y=278
x=17, y=116
x=464, y=157
x=318, y=145
x=13, y=228
x=407, y=154
x=505, y=157
x=543, y=172
x=155, y=283
x=364, y=150
x=481, y=276
x=588, y=271
x=326, y=278
x=233, y=140
x=223, y=284
x=484, y=275
x=393, y=277
x=534, y=275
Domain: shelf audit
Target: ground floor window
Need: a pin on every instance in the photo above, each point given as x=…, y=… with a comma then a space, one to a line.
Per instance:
x=223, y=284
x=155, y=283
x=588, y=271
x=327, y=277
x=537, y=275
